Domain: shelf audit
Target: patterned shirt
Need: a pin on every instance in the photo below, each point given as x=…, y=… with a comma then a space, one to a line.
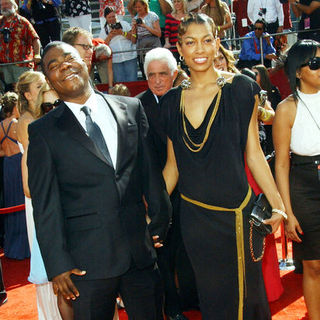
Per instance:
x=171, y=31
x=117, y=5
x=20, y=44
x=75, y=8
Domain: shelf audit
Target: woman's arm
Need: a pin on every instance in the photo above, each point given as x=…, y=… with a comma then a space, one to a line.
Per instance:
x=170, y=171
x=282, y=126
x=110, y=73
x=23, y=138
x=155, y=29
x=261, y=171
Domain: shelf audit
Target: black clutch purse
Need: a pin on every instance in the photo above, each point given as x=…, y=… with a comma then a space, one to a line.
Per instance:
x=261, y=211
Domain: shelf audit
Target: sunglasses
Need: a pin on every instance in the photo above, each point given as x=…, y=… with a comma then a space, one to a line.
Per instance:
x=313, y=63
x=258, y=28
x=47, y=106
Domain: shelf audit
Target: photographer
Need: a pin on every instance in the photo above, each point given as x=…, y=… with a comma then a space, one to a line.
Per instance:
x=18, y=42
x=120, y=37
x=269, y=10
x=46, y=19
x=148, y=29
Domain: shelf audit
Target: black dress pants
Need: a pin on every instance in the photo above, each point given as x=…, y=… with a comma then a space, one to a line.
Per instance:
x=140, y=290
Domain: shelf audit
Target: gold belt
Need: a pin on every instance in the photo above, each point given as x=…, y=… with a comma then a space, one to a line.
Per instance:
x=239, y=237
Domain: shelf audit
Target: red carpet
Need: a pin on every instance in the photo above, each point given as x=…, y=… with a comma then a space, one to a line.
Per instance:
x=22, y=300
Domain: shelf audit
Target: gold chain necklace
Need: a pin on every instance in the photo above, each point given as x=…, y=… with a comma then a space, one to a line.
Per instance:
x=196, y=147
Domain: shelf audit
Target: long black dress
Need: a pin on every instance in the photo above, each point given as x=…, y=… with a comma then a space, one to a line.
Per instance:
x=216, y=239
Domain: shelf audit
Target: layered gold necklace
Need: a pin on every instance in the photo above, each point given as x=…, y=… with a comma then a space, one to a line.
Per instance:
x=191, y=145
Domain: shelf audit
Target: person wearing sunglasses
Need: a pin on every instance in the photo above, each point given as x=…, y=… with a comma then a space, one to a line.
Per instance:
x=250, y=54
x=296, y=129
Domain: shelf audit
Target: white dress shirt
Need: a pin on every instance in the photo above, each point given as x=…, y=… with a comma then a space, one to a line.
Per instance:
x=274, y=11
x=103, y=117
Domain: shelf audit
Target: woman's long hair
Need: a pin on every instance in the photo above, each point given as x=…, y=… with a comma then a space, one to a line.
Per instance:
x=221, y=13
x=265, y=82
x=23, y=86
x=7, y=102
x=298, y=55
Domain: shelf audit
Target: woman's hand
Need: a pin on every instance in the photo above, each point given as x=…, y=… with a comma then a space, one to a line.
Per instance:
x=274, y=221
x=292, y=227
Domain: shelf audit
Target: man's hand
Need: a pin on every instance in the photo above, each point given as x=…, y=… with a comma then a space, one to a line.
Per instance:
x=64, y=284
x=280, y=29
x=156, y=242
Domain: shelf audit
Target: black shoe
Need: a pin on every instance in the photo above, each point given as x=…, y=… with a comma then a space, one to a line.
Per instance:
x=178, y=316
x=3, y=298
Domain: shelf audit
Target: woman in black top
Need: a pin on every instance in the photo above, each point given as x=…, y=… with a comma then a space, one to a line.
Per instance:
x=210, y=126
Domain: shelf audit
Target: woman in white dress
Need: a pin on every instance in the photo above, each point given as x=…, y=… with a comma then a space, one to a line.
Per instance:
x=30, y=88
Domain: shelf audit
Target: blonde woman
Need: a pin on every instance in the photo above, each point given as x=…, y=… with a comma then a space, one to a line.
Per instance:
x=219, y=12
x=30, y=88
x=171, y=27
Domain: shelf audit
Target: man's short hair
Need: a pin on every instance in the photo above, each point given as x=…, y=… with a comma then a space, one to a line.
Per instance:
x=263, y=22
x=160, y=54
x=71, y=34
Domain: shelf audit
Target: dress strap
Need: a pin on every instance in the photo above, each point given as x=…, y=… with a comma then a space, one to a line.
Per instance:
x=239, y=237
x=6, y=133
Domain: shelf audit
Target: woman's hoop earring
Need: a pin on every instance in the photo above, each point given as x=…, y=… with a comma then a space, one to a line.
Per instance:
x=181, y=58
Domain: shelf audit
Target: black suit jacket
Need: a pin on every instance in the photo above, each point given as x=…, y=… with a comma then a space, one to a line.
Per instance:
x=156, y=132
x=88, y=215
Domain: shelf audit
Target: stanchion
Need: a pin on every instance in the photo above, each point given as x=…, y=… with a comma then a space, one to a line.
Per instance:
x=285, y=263
x=20, y=207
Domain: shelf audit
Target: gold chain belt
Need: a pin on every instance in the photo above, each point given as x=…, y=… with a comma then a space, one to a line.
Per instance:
x=239, y=237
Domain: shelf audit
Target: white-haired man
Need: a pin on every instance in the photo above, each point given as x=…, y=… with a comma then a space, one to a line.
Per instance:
x=161, y=70
x=18, y=42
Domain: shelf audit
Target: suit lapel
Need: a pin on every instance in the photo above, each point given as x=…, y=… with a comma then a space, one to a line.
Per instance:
x=68, y=123
x=119, y=111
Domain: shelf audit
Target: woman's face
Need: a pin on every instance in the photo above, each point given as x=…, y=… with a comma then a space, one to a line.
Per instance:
x=309, y=79
x=258, y=78
x=198, y=47
x=178, y=5
x=220, y=62
x=34, y=89
x=141, y=8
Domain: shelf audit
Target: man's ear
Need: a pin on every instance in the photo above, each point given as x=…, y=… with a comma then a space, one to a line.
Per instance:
x=175, y=73
x=48, y=82
x=298, y=74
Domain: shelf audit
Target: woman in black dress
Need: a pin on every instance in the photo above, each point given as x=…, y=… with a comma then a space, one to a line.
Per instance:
x=210, y=125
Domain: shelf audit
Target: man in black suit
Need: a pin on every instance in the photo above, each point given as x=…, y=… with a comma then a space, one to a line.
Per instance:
x=161, y=70
x=87, y=195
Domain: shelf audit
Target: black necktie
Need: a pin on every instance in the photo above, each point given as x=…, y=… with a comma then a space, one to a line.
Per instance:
x=95, y=134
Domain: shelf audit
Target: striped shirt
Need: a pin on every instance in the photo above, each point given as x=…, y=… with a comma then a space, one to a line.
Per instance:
x=171, y=31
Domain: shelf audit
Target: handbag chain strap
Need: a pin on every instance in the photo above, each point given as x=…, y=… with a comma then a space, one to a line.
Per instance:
x=251, y=245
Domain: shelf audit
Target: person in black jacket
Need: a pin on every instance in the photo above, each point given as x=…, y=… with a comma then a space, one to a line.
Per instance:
x=46, y=19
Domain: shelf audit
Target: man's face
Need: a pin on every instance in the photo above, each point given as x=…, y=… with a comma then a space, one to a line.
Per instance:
x=258, y=29
x=66, y=72
x=83, y=44
x=160, y=79
x=7, y=8
x=111, y=18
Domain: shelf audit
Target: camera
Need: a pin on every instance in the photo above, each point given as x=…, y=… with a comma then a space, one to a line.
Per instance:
x=6, y=34
x=262, y=11
x=116, y=26
x=139, y=21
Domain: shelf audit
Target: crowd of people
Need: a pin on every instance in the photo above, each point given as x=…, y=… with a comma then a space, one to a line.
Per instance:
x=149, y=199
